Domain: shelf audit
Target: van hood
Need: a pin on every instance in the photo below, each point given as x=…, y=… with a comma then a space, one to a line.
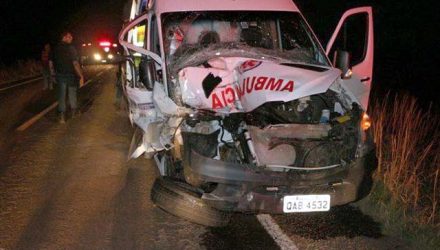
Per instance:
x=239, y=84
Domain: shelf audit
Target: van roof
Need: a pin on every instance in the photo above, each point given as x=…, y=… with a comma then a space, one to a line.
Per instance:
x=164, y=6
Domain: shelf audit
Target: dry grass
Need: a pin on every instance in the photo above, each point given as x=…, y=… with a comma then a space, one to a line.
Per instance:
x=408, y=150
x=20, y=70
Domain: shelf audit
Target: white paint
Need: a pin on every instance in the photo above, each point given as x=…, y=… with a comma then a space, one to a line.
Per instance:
x=246, y=84
x=282, y=240
x=38, y=116
x=22, y=83
x=88, y=81
x=166, y=6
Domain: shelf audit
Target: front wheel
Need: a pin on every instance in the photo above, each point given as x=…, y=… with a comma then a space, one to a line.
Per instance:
x=184, y=201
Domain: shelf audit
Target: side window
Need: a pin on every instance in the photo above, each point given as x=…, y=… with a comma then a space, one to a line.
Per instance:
x=154, y=41
x=155, y=48
x=138, y=37
x=352, y=37
x=139, y=34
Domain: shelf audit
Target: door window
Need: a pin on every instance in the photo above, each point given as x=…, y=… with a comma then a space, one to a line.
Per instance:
x=353, y=38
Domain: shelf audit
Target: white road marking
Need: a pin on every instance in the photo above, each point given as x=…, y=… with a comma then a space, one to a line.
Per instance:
x=38, y=116
x=283, y=241
x=87, y=82
x=22, y=83
x=31, y=121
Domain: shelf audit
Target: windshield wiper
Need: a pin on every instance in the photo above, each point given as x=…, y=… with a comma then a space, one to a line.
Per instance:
x=305, y=66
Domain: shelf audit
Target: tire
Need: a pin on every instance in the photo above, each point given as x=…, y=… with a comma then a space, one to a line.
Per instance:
x=182, y=200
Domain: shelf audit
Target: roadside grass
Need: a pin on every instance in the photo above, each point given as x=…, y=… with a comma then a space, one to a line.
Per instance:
x=382, y=207
x=406, y=195
x=20, y=70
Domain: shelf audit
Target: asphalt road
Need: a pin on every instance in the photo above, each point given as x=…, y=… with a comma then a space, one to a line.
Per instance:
x=70, y=186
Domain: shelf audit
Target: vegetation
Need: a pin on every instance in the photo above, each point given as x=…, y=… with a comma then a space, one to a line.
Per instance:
x=406, y=192
x=20, y=70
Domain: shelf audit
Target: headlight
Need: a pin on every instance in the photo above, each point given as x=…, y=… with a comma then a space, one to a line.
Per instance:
x=365, y=122
x=110, y=56
x=97, y=57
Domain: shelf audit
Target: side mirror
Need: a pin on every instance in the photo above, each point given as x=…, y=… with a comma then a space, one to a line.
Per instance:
x=147, y=72
x=342, y=62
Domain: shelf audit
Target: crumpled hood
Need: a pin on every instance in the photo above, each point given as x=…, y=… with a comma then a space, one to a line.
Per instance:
x=237, y=84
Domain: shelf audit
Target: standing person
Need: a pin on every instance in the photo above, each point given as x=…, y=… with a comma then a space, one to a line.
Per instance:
x=47, y=78
x=69, y=76
x=118, y=87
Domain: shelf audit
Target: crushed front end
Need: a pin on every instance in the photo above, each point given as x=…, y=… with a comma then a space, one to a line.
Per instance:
x=250, y=162
x=253, y=116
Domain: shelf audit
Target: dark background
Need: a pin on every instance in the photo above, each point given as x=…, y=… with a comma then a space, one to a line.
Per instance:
x=26, y=25
x=406, y=33
x=406, y=42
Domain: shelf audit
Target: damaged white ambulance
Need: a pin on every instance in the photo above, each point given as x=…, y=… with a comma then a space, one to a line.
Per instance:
x=244, y=111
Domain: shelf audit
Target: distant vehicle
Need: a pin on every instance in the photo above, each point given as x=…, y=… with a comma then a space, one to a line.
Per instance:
x=243, y=109
x=101, y=52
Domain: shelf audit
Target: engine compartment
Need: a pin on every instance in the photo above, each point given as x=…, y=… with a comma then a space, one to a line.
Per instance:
x=281, y=136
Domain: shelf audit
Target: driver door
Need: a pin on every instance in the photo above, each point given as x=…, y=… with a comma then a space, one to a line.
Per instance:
x=134, y=37
x=355, y=34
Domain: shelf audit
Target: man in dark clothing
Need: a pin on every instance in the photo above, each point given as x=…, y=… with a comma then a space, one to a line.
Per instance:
x=69, y=76
x=45, y=54
x=119, y=88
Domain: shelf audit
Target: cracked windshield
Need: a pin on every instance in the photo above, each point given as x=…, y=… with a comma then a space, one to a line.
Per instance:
x=281, y=36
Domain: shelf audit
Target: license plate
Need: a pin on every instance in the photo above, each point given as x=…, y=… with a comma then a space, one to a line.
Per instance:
x=306, y=203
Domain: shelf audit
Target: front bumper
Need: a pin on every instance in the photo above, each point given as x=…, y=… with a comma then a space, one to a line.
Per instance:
x=242, y=188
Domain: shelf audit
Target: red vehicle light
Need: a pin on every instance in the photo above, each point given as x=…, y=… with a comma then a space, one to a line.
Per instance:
x=105, y=44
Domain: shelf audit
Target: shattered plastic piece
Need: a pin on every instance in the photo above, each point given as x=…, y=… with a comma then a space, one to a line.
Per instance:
x=138, y=152
x=338, y=108
x=218, y=63
x=165, y=105
x=350, y=91
x=342, y=119
x=345, y=97
x=142, y=110
x=150, y=111
x=303, y=103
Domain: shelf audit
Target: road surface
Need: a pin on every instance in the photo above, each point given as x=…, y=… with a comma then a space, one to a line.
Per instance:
x=70, y=186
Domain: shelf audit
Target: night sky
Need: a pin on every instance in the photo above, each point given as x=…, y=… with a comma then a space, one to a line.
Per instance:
x=27, y=24
x=407, y=41
x=406, y=32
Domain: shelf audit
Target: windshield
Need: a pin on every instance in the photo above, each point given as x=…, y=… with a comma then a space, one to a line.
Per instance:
x=281, y=35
